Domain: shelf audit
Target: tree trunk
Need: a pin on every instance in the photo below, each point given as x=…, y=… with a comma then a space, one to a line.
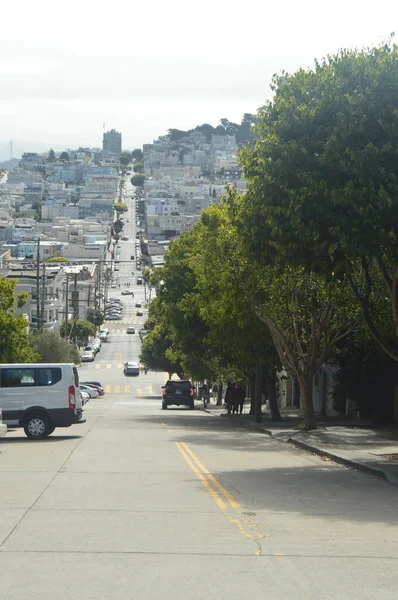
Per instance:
x=257, y=399
x=252, y=394
x=305, y=383
x=273, y=403
x=219, y=394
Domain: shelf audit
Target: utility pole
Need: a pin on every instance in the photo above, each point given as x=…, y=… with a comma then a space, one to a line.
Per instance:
x=43, y=296
x=66, y=305
x=38, y=286
x=76, y=303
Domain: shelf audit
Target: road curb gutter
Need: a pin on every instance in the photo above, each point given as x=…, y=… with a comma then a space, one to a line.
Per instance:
x=343, y=461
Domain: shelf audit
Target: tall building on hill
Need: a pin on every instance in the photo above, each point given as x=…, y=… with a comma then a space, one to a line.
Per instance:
x=112, y=141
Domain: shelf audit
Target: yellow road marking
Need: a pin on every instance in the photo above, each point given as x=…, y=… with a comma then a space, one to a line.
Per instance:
x=279, y=554
x=120, y=359
x=127, y=388
x=107, y=388
x=120, y=366
x=214, y=481
x=109, y=365
x=97, y=366
x=217, y=499
x=170, y=430
x=117, y=388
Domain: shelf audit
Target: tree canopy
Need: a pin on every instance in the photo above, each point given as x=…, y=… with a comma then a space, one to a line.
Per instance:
x=56, y=259
x=14, y=339
x=323, y=175
x=125, y=158
x=138, y=180
x=52, y=348
x=137, y=154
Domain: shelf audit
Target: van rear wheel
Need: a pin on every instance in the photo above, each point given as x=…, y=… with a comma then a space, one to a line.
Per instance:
x=37, y=426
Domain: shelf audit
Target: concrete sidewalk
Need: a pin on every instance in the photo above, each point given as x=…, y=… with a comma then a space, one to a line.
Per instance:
x=353, y=444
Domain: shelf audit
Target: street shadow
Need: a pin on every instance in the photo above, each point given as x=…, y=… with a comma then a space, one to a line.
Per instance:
x=50, y=439
x=317, y=490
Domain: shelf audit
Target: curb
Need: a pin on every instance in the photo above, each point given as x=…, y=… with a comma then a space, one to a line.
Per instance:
x=337, y=459
x=344, y=461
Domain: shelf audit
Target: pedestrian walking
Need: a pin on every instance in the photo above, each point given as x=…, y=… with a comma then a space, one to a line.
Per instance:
x=215, y=392
x=235, y=398
x=241, y=394
x=229, y=401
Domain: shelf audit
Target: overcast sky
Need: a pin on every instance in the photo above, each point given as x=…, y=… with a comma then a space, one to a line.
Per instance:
x=66, y=68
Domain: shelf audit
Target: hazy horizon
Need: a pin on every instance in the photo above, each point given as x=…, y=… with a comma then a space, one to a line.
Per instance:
x=142, y=73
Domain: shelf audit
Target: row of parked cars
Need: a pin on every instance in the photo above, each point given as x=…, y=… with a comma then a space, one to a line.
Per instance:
x=91, y=350
x=113, y=309
x=90, y=389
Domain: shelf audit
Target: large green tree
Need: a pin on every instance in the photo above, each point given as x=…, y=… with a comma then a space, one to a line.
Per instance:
x=53, y=349
x=81, y=329
x=137, y=154
x=14, y=341
x=323, y=175
x=138, y=180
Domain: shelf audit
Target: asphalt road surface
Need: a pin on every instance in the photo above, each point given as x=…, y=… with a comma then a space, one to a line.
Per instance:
x=140, y=503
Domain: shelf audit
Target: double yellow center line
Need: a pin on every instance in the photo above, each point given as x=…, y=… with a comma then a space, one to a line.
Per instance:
x=220, y=495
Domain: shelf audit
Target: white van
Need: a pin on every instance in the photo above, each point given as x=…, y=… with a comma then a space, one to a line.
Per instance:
x=40, y=397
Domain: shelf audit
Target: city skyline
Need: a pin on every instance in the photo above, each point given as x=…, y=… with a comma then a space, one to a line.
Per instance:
x=143, y=74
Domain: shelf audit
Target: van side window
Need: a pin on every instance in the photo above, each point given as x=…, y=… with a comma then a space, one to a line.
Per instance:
x=76, y=376
x=17, y=377
x=48, y=376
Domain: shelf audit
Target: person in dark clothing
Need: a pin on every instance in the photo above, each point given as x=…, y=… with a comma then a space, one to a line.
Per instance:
x=235, y=397
x=240, y=393
x=229, y=400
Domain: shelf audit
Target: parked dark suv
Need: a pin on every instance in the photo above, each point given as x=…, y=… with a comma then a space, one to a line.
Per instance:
x=177, y=392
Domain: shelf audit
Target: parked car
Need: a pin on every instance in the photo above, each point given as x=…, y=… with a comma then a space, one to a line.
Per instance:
x=92, y=392
x=85, y=397
x=138, y=304
x=113, y=317
x=131, y=368
x=87, y=356
x=95, y=384
x=139, y=280
x=3, y=426
x=130, y=330
x=40, y=397
x=139, y=313
x=132, y=257
x=92, y=347
x=177, y=392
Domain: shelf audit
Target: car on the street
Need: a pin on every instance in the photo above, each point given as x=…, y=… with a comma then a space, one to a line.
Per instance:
x=125, y=238
x=142, y=333
x=85, y=397
x=95, y=384
x=113, y=286
x=139, y=280
x=139, y=313
x=40, y=397
x=3, y=426
x=131, y=368
x=132, y=257
x=113, y=317
x=93, y=347
x=87, y=356
x=178, y=392
x=130, y=329
x=97, y=387
x=92, y=392
x=138, y=304
x=127, y=220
